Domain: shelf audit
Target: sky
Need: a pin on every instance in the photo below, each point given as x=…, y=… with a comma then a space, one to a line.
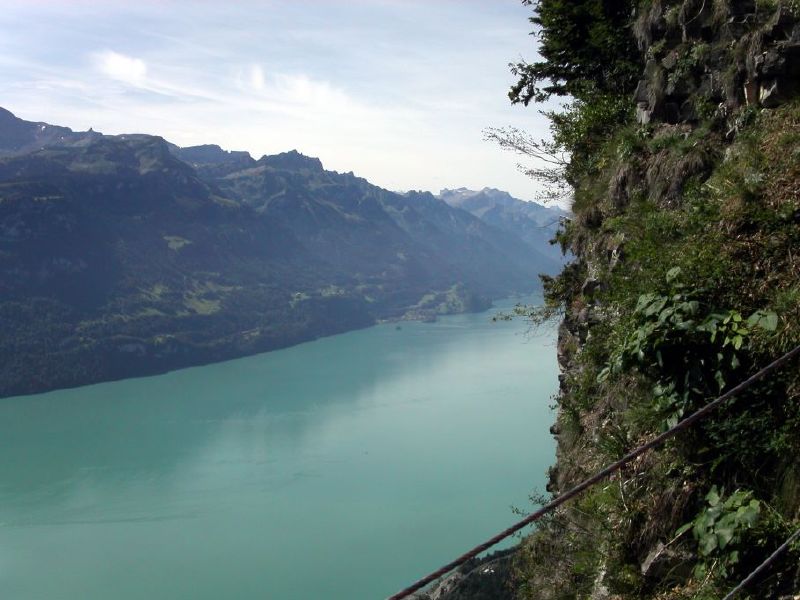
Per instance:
x=397, y=91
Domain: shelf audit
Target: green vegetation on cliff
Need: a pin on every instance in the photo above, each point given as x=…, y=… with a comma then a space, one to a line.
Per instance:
x=686, y=229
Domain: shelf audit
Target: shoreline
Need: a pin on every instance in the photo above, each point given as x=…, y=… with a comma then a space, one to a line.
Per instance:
x=224, y=356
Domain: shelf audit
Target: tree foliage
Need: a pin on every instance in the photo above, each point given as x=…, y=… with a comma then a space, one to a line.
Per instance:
x=588, y=53
x=586, y=48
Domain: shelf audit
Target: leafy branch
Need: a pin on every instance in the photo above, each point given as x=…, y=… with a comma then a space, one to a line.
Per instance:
x=689, y=355
x=550, y=160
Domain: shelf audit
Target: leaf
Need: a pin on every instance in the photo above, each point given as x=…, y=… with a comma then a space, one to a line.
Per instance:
x=720, y=379
x=769, y=322
x=666, y=313
x=713, y=496
x=644, y=300
x=724, y=536
x=700, y=570
x=708, y=544
x=673, y=274
x=656, y=306
x=764, y=319
x=748, y=515
x=699, y=528
x=683, y=529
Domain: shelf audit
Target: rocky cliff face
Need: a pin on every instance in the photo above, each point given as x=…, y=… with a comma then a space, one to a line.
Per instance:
x=686, y=233
x=697, y=204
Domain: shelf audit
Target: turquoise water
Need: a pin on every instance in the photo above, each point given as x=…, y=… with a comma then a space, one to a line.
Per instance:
x=339, y=469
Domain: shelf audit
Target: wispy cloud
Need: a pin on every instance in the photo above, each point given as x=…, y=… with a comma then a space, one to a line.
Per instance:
x=120, y=67
x=398, y=91
x=257, y=81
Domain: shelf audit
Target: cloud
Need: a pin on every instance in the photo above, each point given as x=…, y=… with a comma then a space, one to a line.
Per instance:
x=257, y=81
x=296, y=95
x=120, y=67
x=381, y=87
x=301, y=90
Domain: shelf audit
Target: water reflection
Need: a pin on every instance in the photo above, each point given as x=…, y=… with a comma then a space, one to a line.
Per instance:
x=353, y=442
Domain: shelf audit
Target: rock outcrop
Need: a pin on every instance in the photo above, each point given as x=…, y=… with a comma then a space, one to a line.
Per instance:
x=685, y=231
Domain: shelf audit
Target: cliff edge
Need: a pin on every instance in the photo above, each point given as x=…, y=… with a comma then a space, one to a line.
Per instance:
x=685, y=166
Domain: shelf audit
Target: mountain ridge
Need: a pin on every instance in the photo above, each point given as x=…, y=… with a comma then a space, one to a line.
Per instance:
x=534, y=223
x=126, y=255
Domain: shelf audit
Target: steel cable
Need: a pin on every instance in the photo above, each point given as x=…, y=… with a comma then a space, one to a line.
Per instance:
x=770, y=559
x=599, y=476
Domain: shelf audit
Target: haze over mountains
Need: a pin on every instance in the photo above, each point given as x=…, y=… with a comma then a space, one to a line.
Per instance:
x=531, y=222
x=127, y=255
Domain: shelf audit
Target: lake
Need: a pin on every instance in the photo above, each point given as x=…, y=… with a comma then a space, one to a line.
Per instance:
x=343, y=468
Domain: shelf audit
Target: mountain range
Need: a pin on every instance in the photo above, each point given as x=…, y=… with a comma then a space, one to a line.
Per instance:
x=533, y=223
x=127, y=255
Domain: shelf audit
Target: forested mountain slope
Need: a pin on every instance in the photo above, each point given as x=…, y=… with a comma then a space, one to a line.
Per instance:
x=126, y=255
